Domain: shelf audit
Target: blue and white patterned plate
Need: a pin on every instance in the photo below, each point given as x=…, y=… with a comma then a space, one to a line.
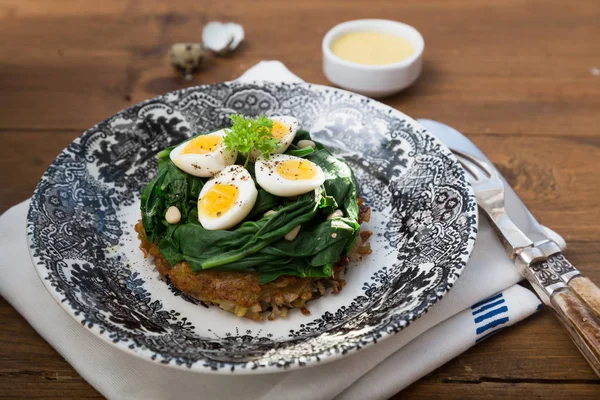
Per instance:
x=80, y=228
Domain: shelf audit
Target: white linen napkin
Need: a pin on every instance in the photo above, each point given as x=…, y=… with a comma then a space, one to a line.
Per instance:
x=456, y=323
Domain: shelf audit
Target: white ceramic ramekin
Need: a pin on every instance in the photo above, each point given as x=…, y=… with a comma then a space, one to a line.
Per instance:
x=373, y=80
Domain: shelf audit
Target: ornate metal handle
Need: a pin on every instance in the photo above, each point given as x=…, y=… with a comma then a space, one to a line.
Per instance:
x=579, y=284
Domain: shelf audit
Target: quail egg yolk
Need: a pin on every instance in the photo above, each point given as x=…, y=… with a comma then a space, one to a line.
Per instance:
x=279, y=130
x=218, y=200
x=295, y=170
x=203, y=144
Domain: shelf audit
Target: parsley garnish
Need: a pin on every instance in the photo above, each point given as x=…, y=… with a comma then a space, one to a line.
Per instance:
x=247, y=134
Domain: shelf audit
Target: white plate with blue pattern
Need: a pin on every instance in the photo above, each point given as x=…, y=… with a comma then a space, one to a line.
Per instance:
x=80, y=228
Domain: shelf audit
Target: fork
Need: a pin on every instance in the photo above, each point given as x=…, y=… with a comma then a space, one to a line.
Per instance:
x=574, y=298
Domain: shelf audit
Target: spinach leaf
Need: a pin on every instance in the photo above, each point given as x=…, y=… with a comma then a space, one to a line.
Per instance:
x=328, y=204
x=303, y=152
x=265, y=201
x=339, y=181
x=205, y=249
x=312, y=253
x=320, y=245
x=170, y=187
x=301, y=134
x=271, y=272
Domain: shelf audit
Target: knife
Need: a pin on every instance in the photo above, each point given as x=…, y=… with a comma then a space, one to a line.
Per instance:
x=552, y=276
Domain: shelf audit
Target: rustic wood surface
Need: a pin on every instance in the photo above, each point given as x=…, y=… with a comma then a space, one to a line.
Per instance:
x=519, y=78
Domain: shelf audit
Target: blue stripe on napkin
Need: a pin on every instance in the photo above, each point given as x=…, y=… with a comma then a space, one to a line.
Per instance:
x=476, y=305
x=489, y=314
x=488, y=306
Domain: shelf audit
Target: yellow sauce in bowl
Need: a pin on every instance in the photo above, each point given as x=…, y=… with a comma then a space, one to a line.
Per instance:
x=372, y=48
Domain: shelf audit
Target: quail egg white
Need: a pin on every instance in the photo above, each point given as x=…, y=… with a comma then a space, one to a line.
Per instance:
x=204, y=155
x=227, y=198
x=285, y=175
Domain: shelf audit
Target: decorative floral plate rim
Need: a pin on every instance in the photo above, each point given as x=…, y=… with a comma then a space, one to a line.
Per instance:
x=97, y=176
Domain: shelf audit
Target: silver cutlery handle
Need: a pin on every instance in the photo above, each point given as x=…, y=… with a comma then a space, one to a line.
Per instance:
x=579, y=284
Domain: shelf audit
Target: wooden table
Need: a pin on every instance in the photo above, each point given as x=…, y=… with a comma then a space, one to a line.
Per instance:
x=519, y=78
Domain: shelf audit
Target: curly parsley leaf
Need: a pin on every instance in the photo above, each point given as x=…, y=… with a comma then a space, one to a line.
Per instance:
x=248, y=134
